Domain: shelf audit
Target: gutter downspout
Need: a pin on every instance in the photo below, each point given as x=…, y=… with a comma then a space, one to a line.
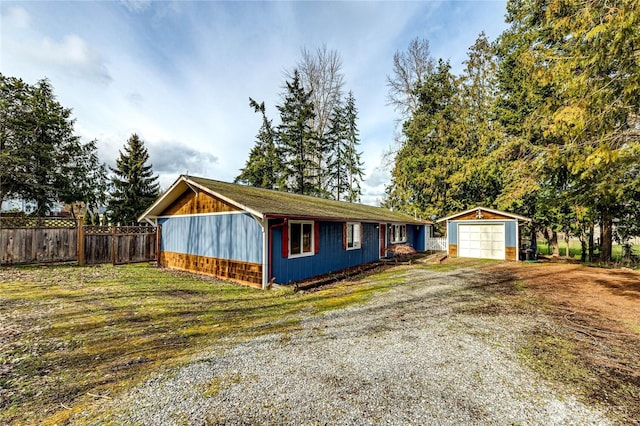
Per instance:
x=517, y=241
x=265, y=255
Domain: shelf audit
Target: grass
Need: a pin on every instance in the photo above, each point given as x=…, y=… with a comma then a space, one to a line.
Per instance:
x=553, y=356
x=592, y=370
x=575, y=249
x=72, y=336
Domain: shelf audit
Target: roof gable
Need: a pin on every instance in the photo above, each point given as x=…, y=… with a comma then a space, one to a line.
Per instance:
x=478, y=213
x=264, y=202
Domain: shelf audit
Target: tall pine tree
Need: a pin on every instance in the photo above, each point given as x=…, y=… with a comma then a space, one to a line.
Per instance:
x=344, y=167
x=355, y=165
x=263, y=168
x=336, y=172
x=134, y=185
x=297, y=142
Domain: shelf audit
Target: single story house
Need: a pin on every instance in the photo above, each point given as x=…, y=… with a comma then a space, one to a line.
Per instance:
x=255, y=236
x=484, y=233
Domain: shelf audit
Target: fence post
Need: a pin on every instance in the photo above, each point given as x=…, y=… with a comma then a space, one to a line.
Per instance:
x=80, y=242
x=113, y=245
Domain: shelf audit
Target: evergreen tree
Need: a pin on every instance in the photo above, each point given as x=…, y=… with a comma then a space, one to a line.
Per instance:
x=428, y=158
x=263, y=167
x=478, y=181
x=570, y=87
x=594, y=59
x=41, y=159
x=14, y=95
x=354, y=163
x=337, y=173
x=134, y=185
x=321, y=76
x=344, y=166
x=297, y=143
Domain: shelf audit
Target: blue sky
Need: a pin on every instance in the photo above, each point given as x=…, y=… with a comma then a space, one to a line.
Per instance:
x=180, y=74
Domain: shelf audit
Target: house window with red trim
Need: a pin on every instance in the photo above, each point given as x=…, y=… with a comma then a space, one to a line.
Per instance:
x=353, y=237
x=301, y=238
x=398, y=234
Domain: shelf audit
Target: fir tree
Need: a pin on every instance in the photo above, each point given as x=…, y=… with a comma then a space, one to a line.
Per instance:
x=41, y=159
x=134, y=185
x=297, y=143
x=354, y=162
x=420, y=177
x=337, y=173
x=263, y=168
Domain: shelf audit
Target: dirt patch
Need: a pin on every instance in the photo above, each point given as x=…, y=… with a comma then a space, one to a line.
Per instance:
x=597, y=312
x=612, y=294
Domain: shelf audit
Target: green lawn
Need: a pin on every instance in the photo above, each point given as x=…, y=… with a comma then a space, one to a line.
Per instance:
x=575, y=250
x=73, y=335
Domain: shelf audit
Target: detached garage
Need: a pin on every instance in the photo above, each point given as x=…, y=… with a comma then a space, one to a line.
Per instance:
x=484, y=233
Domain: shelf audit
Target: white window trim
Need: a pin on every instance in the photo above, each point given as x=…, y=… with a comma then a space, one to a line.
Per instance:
x=358, y=226
x=398, y=227
x=303, y=254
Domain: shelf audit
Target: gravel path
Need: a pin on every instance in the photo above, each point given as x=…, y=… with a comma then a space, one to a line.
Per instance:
x=424, y=353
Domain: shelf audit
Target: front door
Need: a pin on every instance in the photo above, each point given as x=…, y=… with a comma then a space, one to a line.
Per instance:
x=383, y=240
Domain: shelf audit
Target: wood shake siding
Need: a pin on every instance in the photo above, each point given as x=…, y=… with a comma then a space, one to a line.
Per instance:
x=192, y=203
x=233, y=270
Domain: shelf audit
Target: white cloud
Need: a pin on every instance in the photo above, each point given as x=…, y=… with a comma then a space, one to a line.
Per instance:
x=73, y=55
x=180, y=73
x=17, y=17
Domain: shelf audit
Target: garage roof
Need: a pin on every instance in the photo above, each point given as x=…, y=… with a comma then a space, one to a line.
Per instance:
x=479, y=211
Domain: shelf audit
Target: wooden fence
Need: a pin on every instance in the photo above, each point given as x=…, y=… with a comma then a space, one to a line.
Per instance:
x=47, y=240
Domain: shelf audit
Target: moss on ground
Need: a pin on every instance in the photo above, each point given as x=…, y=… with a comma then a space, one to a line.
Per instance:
x=73, y=336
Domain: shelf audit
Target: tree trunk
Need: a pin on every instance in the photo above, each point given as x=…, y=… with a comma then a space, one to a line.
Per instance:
x=583, y=245
x=591, y=243
x=547, y=238
x=606, y=236
x=566, y=240
x=554, y=244
x=534, y=239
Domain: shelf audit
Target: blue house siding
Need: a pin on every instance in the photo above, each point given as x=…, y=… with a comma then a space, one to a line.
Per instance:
x=233, y=236
x=452, y=232
x=416, y=236
x=331, y=257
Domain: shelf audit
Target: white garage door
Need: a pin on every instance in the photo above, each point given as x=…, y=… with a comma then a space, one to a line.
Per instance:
x=483, y=241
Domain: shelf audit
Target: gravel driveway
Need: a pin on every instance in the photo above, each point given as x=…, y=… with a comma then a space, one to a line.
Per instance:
x=438, y=350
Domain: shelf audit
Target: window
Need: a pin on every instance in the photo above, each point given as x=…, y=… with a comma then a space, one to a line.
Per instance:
x=398, y=233
x=353, y=235
x=300, y=238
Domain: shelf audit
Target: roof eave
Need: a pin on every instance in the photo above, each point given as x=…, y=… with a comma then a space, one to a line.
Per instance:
x=160, y=201
x=512, y=215
x=172, y=194
x=343, y=219
x=227, y=199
